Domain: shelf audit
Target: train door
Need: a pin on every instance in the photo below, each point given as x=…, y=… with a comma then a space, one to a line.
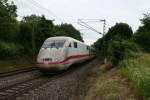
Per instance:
x=73, y=48
x=70, y=49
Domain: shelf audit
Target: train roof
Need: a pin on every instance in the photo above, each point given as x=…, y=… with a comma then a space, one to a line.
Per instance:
x=65, y=38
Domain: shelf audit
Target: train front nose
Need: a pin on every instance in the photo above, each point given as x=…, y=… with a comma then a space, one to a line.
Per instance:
x=50, y=58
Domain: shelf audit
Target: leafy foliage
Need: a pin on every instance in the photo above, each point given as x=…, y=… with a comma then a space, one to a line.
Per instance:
x=34, y=29
x=29, y=33
x=8, y=23
x=119, y=50
x=120, y=30
x=117, y=44
x=68, y=30
x=142, y=36
x=10, y=50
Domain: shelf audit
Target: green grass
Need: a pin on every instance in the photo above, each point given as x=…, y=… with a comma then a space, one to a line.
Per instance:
x=138, y=72
x=109, y=85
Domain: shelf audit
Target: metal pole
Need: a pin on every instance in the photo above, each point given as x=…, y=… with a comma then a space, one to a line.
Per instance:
x=104, y=26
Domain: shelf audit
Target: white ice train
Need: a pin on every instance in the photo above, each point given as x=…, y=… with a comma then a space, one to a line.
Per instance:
x=58, y=53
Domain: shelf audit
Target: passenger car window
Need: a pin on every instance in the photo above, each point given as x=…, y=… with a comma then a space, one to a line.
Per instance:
x=75, y=45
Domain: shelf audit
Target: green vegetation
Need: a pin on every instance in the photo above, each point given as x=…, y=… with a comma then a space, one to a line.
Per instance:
x=138, y=72
x=120, y=47
x=109, y=85
x=130, y=53
x=117, y=44
x=10, y=50
x=8, y=22
x=20, y=41
x=142, y=36
x=119, y=50
x=25, y=37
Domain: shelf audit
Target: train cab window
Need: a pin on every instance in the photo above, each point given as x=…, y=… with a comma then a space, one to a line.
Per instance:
x=70, y=45
x=75, y=45
x=87, y=47
x=54, y=44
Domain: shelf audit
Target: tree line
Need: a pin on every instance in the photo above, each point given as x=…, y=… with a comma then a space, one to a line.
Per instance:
x=121, y=42
x=24, y=37
x=129, y=51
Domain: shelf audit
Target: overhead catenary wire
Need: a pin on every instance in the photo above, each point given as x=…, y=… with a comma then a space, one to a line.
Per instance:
x=31, y=5
x=85, y=21
x=23, y=3
x=90, y=28
x=87, y=26
x=38, y=8
x=45, y=9
x=42, y=8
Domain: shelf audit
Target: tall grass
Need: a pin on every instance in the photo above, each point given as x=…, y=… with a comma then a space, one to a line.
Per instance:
x=138, y=72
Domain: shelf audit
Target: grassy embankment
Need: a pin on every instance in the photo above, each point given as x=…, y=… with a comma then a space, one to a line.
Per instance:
x=11, y=65
x=129, y=81
x=109, y=85
x=138, y=72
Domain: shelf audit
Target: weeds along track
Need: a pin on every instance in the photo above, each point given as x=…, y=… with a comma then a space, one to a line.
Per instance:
x=20, y=83
x=15, y=77
x=10, y=73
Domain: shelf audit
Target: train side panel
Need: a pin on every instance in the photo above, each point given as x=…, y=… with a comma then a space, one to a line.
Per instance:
x=78, y=52
x=73, y=51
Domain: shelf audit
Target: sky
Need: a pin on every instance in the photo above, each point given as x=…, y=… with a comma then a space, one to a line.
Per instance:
x=69, y=11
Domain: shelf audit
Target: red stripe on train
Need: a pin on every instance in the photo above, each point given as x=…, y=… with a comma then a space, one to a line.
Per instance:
x=68, y=58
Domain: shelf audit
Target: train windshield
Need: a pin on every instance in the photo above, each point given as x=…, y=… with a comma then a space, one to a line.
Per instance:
x=54, y=44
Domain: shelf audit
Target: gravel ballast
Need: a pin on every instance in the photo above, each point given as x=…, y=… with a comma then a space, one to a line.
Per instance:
x=70, y=86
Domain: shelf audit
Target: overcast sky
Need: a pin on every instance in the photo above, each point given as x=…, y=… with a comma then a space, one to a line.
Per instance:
x=68, y=11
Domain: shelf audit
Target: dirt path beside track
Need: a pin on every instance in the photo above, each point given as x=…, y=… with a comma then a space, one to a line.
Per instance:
x=109, y=85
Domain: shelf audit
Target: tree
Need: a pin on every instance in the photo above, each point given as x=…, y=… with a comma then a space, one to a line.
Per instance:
x=8, y=22
x=117, y=32
x=122, y=49
x=68, y=30
x=121, y=30
x=142, y=36
x=34, y=29
x=28, y=34
x=116, y=44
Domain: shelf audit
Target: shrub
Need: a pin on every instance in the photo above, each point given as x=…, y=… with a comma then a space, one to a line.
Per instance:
x=121, y=49
x=143, y=39
x=122, y=30
x=10, y=50
x=142, y=36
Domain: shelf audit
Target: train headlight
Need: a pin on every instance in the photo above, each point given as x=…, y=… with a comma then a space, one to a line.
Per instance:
x=47, y=59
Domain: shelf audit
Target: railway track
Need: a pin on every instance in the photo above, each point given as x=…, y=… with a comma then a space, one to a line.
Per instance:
x=8, y=80
x=11, y=92
x=10, y=73
x=19, y=83
x=10, y=89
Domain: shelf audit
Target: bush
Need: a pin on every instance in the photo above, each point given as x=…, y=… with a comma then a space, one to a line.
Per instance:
x=138, y=72
x=143, y=39
x=10, y=50
x=142, y=36
x=122, y=30
x=121, y=49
